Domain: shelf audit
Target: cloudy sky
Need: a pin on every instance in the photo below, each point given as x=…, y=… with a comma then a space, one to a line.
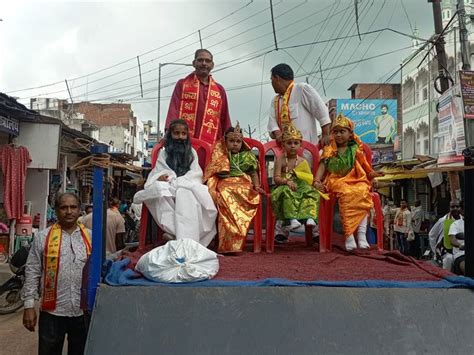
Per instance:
x=94, y=45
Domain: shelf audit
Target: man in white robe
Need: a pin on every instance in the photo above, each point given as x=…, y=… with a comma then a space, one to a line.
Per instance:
x=180, y=205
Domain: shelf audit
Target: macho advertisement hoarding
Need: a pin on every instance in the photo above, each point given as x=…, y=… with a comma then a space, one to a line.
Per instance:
x=375, y=120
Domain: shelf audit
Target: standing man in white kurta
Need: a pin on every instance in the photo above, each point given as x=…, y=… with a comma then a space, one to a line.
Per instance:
x=300, y=104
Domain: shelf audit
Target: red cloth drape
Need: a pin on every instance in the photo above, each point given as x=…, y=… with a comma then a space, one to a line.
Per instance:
x=14, y=162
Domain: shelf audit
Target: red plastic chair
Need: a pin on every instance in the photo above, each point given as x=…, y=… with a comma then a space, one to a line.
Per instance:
x=326, y=215
x=270, y=228
x=257, y=221
x=203, y=149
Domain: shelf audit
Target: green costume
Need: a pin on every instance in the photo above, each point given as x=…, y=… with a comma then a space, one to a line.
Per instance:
x=300, y=204
x=341, y=165
x=242, y=163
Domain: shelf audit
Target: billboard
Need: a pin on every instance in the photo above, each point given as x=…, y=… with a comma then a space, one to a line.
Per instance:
x=375, y=120
x=451, y=126
x=467, y=91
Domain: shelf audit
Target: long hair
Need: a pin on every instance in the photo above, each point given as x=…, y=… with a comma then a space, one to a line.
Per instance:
x=179, y=153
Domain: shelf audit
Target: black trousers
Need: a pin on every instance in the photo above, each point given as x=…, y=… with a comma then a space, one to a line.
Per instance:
x=52, y=331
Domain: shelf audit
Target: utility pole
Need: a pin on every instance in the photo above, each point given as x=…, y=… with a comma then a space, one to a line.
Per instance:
x=440, y=52
x=249, y=131
x=160, y=65
x=465, y=50
x=468, y=174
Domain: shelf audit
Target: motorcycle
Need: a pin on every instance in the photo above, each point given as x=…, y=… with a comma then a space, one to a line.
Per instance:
x=10, y=291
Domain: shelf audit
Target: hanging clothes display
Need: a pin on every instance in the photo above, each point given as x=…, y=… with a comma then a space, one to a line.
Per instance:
x=14, y=161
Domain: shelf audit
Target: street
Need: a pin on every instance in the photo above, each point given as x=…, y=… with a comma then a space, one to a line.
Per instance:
x=14, y=339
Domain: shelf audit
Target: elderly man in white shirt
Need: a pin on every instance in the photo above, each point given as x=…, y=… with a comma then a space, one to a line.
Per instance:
x=439, y=235
x=300, y=104
x=456, y=236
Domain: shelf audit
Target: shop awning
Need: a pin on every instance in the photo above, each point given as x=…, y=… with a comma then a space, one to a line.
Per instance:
x=400, y=174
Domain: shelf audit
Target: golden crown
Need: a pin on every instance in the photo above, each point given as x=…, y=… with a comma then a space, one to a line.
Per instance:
x=290, y=132
x=237, y=133
x=342, y=121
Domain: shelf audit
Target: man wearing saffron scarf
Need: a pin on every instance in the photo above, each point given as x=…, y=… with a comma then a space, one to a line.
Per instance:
x=54, y=267
x=300, y=104
x=200, y=101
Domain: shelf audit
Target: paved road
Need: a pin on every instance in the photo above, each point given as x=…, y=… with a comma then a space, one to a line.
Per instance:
x=14, y=339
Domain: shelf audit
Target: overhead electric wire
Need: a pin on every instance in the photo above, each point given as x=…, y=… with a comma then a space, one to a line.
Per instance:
x=408, y=18
x=343, y=46
x=334, y=55
x=338, y=75
x=223, y=18
x=142, y=54
x=319, y=11
x=293, y=23
x=318, y=35
x=240, y=87
x=246, y=59
x=183, y=47
x=326, y=50
x=155, y=58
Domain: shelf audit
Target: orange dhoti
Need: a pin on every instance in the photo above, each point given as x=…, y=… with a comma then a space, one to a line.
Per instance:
x=353, y=194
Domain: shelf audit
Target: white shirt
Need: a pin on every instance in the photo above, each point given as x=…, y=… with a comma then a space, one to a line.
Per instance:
x=437, y=231
x=136, y=210
x=417, y=218
x=306, y=107
x=385, y=124
x=455, y=228
x=404, y=217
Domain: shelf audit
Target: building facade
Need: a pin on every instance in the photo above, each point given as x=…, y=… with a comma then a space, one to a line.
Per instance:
x=113, y=124
x=420, y=133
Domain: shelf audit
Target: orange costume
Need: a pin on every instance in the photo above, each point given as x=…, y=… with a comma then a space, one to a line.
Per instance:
x=231, y=188
x=348, y=177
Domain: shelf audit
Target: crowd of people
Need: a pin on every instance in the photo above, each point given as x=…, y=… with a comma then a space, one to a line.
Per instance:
x=186, y=201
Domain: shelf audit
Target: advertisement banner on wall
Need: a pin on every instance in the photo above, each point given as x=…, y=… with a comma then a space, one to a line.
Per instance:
x=375, y=120
x=467, y=92
x=380, y=156
x=451, y=126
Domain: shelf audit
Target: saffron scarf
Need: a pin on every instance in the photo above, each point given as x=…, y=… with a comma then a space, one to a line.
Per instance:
x=212, y=110
x=283, y=116
x=51, y=263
